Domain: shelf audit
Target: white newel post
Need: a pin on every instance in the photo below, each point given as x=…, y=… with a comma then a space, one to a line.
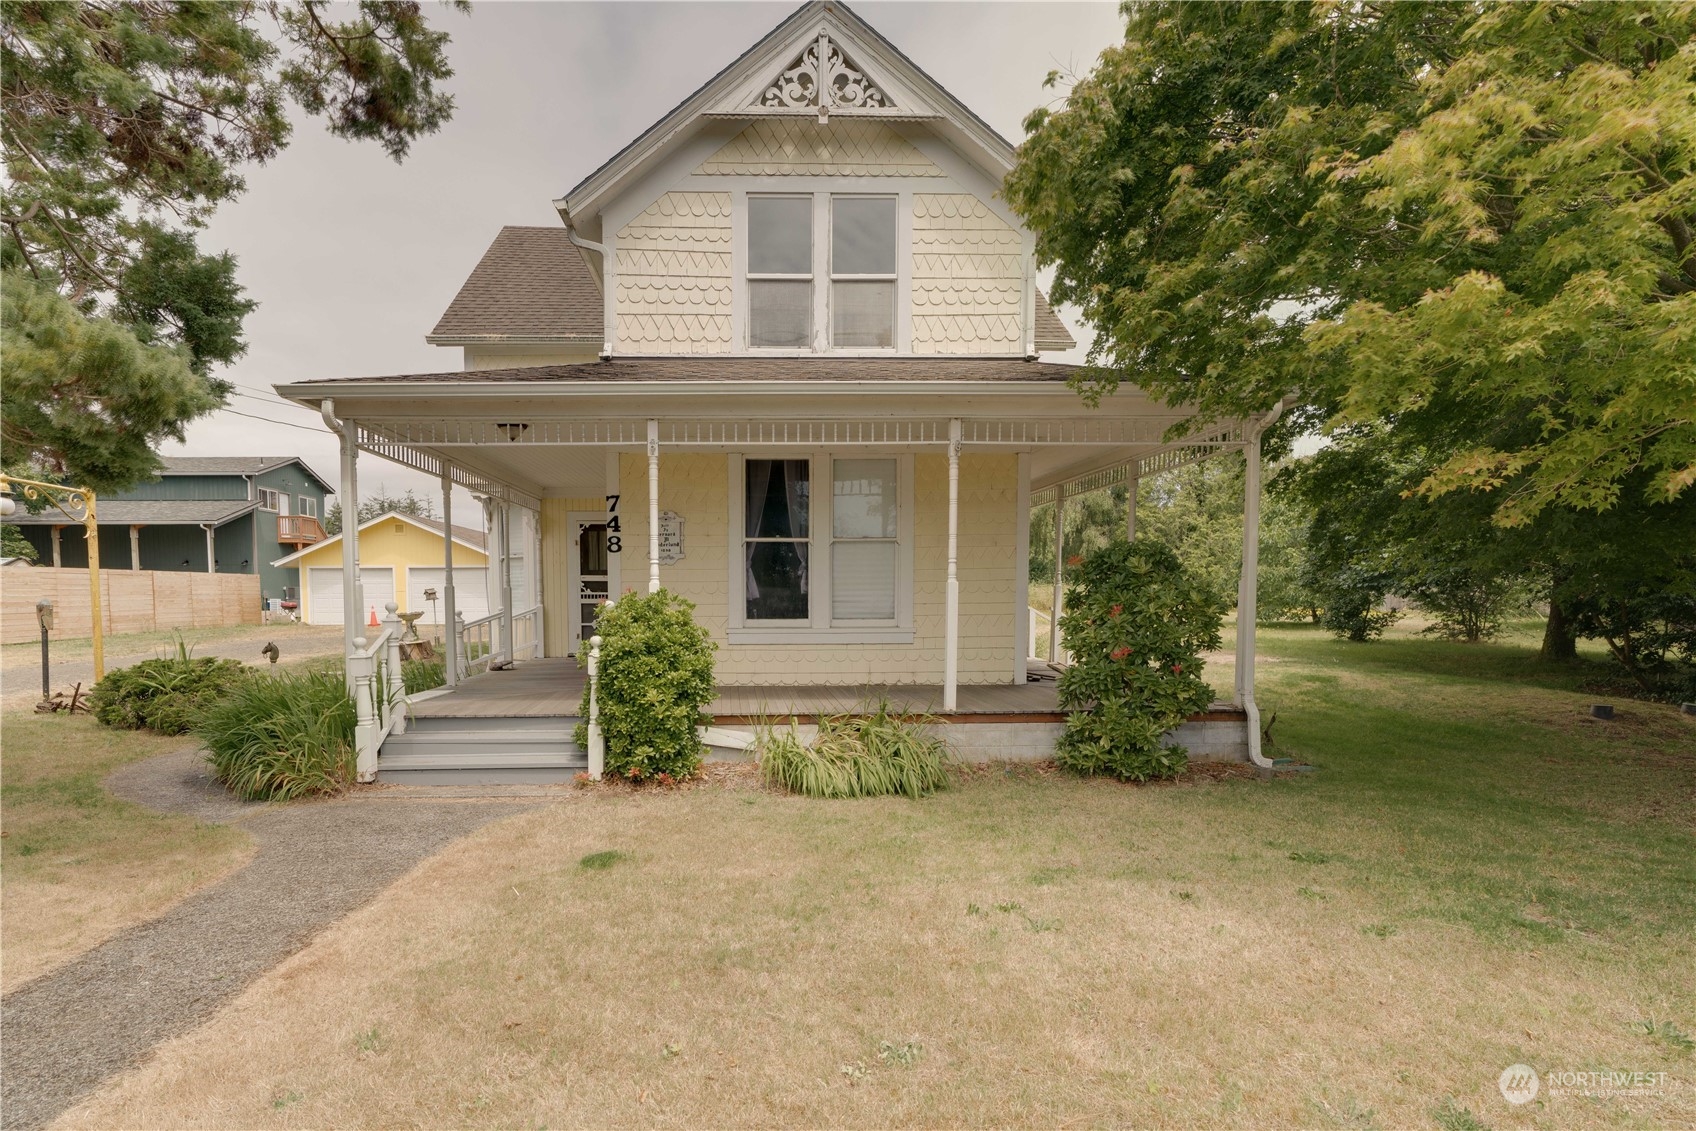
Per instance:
x=1059, y=573
x=353, y=606
x=1248, y=586
x=951, y=639
x=653, y=506
x=361, y=673
x=503, y=513
x=395, y=683
x=450, y=639
x=460, y=658
x=597, y=741
x=1131, y=485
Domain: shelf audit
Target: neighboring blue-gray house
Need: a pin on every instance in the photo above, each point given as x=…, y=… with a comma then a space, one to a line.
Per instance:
x=205, y=514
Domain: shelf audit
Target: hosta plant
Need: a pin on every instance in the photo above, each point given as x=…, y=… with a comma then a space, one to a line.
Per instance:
x=1136, y=625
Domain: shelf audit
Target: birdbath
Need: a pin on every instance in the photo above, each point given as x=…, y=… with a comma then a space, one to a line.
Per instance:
x=411, y=647
x=411, y=622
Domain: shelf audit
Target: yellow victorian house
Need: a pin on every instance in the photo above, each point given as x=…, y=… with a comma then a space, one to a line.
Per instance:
x=782, y=355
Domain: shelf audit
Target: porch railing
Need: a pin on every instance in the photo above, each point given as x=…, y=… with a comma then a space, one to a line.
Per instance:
x=299, y=529
x=378, y=690
x=527, y=634
x=477, y=642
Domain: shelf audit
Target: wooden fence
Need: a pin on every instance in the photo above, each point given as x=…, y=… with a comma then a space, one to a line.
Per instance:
x=130, y=601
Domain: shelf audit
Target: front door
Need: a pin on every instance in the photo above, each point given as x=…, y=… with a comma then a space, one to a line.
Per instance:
x=589, y=580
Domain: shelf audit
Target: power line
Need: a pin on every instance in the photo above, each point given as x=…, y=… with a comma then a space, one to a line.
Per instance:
x=281, y=423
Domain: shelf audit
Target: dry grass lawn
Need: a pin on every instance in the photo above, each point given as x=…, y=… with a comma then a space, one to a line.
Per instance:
x=80, y=865
x=1473, y=877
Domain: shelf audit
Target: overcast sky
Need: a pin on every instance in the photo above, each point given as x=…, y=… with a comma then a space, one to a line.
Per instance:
x=352, y=257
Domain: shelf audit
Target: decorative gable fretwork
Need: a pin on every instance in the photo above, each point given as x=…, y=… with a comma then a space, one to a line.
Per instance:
x=822, y=78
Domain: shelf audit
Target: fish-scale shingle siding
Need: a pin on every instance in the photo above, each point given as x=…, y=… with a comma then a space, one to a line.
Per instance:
x=786, y=147
x=968, y=277
x=674, y=290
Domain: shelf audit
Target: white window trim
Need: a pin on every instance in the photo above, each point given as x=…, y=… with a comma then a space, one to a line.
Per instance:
x=832, y=277
x=749, y=276
x=276, y=499
x=740, y=321
x=308, y=506
x=819, y=629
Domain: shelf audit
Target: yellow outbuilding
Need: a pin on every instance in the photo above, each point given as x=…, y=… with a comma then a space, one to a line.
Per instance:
x=400, y=560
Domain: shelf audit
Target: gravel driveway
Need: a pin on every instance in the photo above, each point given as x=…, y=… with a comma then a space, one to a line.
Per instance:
x=68, y=1031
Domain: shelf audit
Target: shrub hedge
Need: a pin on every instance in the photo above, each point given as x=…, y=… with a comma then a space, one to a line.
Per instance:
x=1136, y=625
x=165, y=695
x=656, y=675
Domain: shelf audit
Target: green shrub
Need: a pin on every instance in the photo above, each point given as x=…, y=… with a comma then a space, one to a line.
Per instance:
x=164, y=695
x=282, y=737
x=656, y=675
x=1136, y=625
x=423, y=675
x=873, y=755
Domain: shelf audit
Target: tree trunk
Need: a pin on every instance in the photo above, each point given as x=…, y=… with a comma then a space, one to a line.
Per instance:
x=1559, y=641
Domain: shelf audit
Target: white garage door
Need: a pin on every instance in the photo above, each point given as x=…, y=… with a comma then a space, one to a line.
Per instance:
x=470, y=591
x=324, y=593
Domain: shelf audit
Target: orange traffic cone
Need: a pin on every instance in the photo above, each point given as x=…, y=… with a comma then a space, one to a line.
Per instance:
x=373, y=616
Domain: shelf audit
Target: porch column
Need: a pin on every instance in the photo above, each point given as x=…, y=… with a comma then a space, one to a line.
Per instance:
x=653, y=506
x=135, y=545
x=450, y=639
x=1248, y=584
x=353, y=602
x=211, y=548
x=951, y=630
x=58, y=557
x=1059, y=572
x=1131, y=484
x=503, y=514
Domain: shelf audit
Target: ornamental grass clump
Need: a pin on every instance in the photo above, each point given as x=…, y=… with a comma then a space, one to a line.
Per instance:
x=874, y=755
x=1136, y=625
x=276, y=738
x=656, y=676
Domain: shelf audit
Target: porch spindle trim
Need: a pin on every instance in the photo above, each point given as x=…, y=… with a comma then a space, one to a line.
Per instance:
x=951, y=643
x=653, y=506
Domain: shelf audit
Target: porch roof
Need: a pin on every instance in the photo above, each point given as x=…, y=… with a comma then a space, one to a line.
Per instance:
x=147, y=512
x=544, y=431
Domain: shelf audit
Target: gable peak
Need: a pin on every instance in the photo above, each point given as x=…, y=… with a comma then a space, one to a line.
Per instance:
x=823, y=77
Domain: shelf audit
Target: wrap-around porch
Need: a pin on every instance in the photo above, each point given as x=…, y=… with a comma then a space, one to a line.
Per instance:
x=664, y=464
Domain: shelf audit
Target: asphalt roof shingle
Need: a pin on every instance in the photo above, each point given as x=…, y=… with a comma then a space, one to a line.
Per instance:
x=726, y=369
x=148, y=512
x=532, y=283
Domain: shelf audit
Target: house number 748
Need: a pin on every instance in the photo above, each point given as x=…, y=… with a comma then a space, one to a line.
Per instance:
x=615, y=544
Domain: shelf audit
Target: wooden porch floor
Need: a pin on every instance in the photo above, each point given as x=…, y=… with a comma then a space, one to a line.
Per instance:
x=554, y=687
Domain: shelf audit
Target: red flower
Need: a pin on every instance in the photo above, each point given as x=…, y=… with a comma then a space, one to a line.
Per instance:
x=1177, y=667
x=1120, y=652
x=1075, y=560
x=1117, y=609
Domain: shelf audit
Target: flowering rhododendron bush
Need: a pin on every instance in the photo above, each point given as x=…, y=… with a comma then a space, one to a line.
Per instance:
x=1136, y=626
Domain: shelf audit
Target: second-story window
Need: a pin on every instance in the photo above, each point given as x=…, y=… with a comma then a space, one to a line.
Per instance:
x=862, y=272
x=269, y=500
x=780, y=272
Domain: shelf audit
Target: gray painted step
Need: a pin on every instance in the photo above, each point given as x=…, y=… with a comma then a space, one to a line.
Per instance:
x=463, y=759
x=446, y=742
x=544, y=775
x=417, y=724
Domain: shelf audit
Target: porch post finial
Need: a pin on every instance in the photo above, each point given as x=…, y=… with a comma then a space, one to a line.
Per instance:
x=653, y=506
x=951, y=640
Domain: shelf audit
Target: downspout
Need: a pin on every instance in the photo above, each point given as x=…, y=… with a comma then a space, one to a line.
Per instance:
x=1250, y=583
x=599, y=249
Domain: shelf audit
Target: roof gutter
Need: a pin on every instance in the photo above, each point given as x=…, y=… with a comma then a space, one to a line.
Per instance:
x=599, y=249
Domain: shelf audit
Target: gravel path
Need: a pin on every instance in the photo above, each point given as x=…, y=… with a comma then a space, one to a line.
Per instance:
x=70, y=664
x=67, y=1032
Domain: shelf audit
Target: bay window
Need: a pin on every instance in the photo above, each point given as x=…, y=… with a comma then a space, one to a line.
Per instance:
x=852, y=243
x=834, y=563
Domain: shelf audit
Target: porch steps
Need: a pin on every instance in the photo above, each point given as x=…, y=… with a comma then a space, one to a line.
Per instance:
x=482, y=751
